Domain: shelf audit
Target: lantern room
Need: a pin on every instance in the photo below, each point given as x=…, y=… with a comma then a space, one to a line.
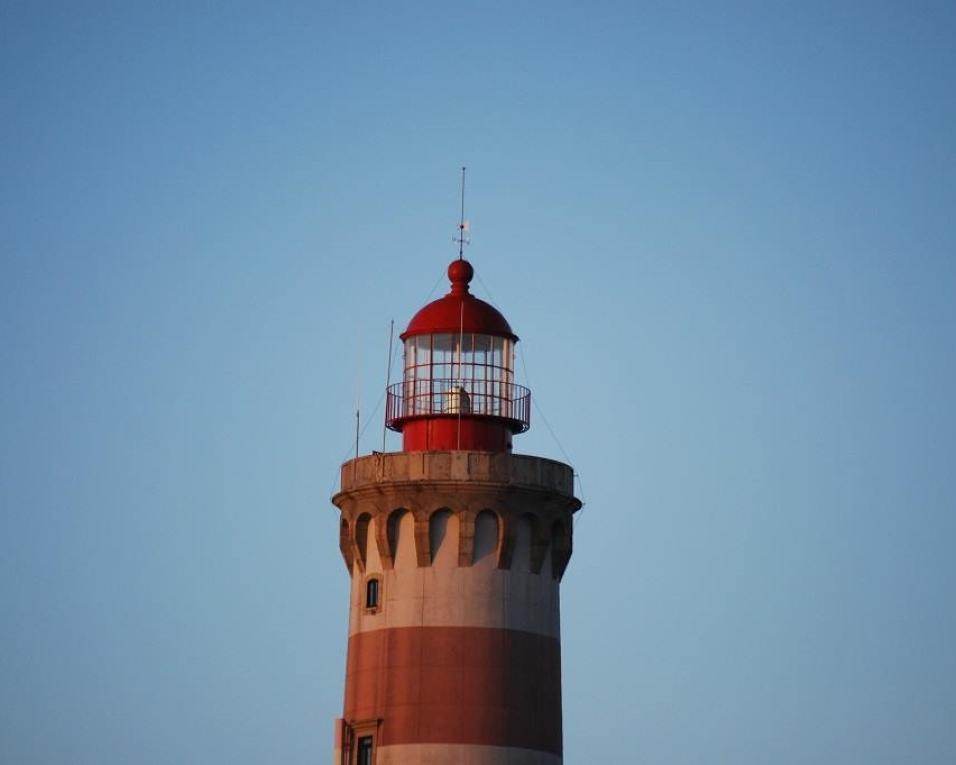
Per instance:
x=458, y=389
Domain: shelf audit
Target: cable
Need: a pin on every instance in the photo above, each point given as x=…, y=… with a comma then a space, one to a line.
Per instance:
x=547, y=424
x=434, y=287
x=537, y=408
x=351, y=446
x=487, y=291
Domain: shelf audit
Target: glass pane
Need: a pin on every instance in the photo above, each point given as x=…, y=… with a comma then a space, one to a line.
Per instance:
x=365, y=750
x=452, y=373
x=443, y=347
x=482, y=344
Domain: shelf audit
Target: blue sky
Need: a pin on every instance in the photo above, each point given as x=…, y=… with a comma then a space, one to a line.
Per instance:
x=725, y=234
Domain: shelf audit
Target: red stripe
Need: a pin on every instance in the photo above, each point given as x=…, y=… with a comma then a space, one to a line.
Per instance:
x=457, y=685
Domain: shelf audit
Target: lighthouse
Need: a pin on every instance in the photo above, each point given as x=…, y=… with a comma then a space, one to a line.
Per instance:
x=456, y=547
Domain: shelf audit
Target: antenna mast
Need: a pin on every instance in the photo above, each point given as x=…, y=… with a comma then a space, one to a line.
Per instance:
x=462, y=224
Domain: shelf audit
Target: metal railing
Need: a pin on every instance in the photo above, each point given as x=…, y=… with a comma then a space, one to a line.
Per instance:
x=484, y=398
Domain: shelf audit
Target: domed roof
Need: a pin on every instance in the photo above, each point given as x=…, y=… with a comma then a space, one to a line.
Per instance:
x=459, y=310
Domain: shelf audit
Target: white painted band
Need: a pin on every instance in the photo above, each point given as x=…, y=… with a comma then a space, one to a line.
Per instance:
x=446, y=594
x=460, y=597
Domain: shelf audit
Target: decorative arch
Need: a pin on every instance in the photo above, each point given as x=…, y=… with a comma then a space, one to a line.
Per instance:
x=362, y=524
x=443, y=526
x=540, y=542
x=560, y=547
x=407, y=527
x=488, y=530
x=522, y=545
x=392, y=527
x=345, y=544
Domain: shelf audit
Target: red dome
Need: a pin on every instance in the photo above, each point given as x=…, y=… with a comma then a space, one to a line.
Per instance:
x=459, y=310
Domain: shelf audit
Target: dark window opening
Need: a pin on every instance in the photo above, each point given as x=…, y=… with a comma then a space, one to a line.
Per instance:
x=365, y=750
x=371, y=595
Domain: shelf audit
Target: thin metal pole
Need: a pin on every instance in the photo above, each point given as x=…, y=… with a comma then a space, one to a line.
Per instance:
x=388, y=377
x=356, y=433
x=461, y=224
x=461, y=323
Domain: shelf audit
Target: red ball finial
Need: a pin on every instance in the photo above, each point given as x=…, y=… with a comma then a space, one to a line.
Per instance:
x=460, y=273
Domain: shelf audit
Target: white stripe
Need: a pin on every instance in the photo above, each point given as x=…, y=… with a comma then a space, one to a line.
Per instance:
x=448, y=595
x=460, y=597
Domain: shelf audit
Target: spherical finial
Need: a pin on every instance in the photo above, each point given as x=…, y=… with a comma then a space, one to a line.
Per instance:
x=460, y=273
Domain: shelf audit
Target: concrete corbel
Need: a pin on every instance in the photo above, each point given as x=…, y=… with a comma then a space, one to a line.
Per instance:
x=466, y=537
x=506, y=538
x=422, y=545
x=380, y=522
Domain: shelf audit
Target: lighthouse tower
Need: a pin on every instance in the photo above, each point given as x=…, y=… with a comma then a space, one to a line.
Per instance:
x=456, y=547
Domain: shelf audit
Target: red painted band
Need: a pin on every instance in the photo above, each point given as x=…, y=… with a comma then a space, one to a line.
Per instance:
x=457, y=685
x=447, y=432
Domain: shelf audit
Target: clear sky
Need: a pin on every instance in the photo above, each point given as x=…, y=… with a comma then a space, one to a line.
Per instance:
x=726, y=234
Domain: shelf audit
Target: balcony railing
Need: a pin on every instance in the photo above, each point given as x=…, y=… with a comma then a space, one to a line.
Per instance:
x=482, y=398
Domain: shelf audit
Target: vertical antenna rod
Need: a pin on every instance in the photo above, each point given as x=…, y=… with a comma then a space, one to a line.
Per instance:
x=388, y=377
x=462, y=241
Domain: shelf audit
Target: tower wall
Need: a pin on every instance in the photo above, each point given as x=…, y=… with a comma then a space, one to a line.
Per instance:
x=459, y=661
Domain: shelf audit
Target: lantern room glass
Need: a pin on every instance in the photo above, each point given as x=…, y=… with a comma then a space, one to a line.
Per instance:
x=459, y=373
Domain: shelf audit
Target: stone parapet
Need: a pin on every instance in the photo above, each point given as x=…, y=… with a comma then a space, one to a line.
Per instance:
x=522, y=470
x=379, y=488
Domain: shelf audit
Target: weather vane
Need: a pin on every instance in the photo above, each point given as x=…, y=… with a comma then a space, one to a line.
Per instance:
x=463, y=226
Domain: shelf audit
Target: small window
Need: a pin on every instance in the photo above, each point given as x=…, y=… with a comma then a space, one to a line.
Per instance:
x=365, y=749
x=371, y=595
